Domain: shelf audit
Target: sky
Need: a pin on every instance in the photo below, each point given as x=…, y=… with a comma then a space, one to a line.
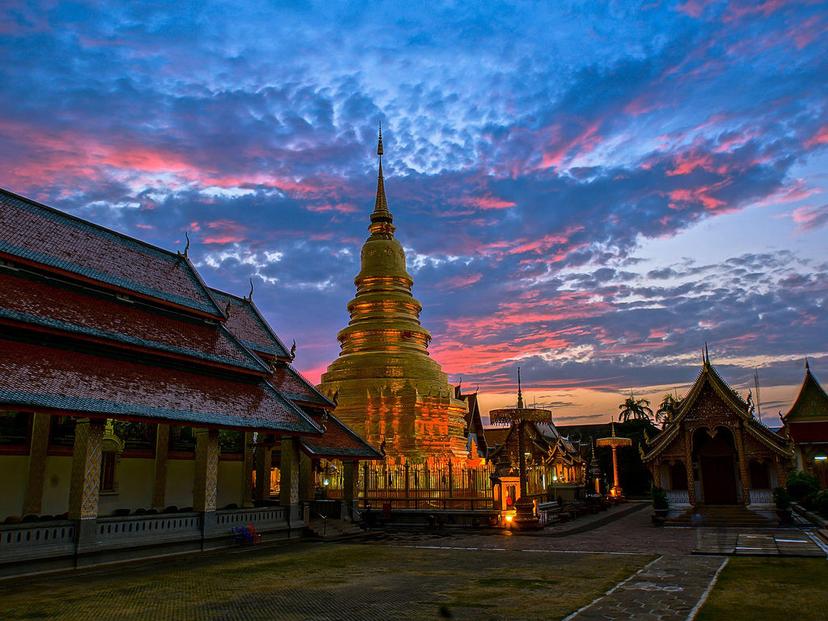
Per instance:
x=590, y=191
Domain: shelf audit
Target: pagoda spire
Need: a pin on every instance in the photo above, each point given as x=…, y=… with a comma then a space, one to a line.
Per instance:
x=381, y=215
x=520, y=394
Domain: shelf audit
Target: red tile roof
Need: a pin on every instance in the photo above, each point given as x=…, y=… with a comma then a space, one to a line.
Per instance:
x=296, y=388
x=338, y=441
x=45, y=377
x=246, y=323
x=51, y=305
x=36, y=234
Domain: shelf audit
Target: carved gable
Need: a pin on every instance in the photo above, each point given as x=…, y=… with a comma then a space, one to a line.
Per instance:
x=710, y=411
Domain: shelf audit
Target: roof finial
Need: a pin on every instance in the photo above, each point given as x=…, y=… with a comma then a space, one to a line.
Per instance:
x=249, y=297
x=520, y=393
x=807, y=366
x=293, y=351
x=187, y=246
x=706, y=354
x=381, y=217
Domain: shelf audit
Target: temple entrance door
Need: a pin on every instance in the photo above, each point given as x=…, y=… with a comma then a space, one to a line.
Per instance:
x=719, y=480
x=717, y=460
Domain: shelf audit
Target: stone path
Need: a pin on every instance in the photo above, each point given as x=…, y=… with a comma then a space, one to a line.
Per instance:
x=772, y=543
x=670, y=588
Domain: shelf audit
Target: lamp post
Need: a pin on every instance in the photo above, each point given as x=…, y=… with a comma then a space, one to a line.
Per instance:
x=555, y=486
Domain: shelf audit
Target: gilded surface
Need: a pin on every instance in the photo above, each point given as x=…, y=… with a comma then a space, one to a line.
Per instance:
x=206, y=470
x=386, y=386
x=86, y=470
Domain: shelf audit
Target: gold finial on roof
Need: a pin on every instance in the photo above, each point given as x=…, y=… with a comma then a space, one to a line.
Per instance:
x=381, y=214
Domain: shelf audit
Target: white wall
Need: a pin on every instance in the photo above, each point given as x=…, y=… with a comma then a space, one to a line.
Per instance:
x=229, y=483
x=135, y=477
x=180, y=483
x=14, y=470
x=56, y=485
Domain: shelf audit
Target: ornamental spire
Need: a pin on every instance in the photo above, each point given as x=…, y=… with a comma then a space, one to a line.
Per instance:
x=381, y=213
x=520, y=394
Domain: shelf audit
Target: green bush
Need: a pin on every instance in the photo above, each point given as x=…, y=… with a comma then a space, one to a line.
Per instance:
x=660, y=499
x=802, y=485
x=781, y=498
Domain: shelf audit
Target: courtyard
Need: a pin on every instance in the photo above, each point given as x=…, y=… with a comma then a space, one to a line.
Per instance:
x=624, y=569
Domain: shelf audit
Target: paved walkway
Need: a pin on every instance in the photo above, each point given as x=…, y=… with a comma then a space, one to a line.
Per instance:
x=671, y=588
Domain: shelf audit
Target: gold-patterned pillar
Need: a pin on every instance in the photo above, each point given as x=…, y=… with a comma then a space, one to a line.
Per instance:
x=206, y=470
x=38, y=448
x=264, y=463
x=162, y=447
x=205, y=479
x=744, y=473
x=85, y=485
x=247, y=470
x=688, y=463
x=289, y=468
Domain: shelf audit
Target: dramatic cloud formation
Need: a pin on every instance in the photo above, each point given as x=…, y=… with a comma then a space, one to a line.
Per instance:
x=588, y=191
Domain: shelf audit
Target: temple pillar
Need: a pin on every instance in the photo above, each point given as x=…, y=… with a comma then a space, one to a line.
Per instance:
x=162, y=447
x=289, y=492
x=744, y=473
x=38, y=449
x=781, y=472
x=349, y=488
x=247, y=470
x=688, y=462
x=306, y=482
x=85, y=484
x=264, y=463
x=205, y=478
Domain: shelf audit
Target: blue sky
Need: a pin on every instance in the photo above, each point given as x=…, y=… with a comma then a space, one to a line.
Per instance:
x=588, y=190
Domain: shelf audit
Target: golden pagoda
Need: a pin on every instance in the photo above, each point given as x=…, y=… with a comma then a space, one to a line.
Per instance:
x=385, y=385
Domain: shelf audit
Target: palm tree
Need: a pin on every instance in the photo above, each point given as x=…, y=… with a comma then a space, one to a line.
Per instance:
x=669, y=406
x=635, y=409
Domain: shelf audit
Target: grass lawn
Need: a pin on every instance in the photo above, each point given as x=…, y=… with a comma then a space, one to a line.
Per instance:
x=326, y=581
x=770, y=588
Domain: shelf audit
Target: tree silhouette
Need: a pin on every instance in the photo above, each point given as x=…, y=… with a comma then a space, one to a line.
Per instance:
x=669, y=406
x=635, y=409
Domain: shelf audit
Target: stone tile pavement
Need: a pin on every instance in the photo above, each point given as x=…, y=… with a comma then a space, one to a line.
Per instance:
x=671, y=588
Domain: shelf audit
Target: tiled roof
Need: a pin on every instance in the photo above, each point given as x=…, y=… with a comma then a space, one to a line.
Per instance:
x=811, y=404
x=40, y=376
x=34, y=233
x=296, y=388
x=56, y=306
x=247, y=324
x=337, y=441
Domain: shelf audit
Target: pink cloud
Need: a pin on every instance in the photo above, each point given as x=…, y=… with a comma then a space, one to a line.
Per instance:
x=808, y=217
x=483, y=202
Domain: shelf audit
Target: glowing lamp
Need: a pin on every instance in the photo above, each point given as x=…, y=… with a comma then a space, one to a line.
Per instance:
x=821, y=458
x=326, y=482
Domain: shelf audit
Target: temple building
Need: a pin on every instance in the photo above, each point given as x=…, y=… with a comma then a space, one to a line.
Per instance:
x=384, y=383
x=554, y=465
x=138, y=406
x=807, y=425
x=714, y=451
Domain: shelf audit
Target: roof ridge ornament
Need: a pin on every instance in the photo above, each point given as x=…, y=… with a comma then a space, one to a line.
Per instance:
x=249, y=296
x=807, y=366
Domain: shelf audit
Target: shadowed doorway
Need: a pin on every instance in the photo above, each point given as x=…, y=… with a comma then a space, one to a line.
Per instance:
x=717, y=461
